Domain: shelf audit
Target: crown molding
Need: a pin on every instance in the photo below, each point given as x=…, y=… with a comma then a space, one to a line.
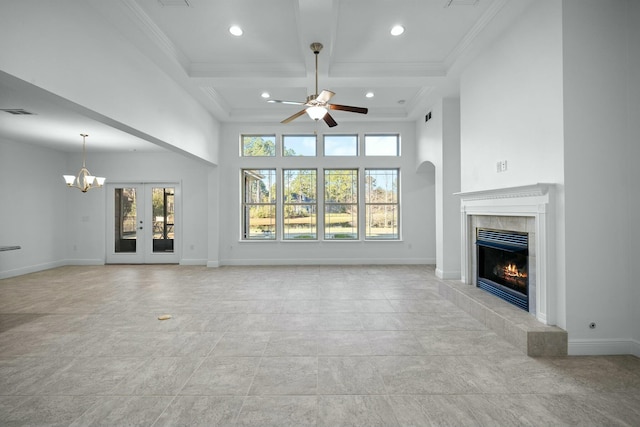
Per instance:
x=462, y=47
x=154, y=33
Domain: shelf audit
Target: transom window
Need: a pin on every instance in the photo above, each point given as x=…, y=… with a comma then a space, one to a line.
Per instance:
x=258, y=145
x=341, y=145
x=382, y=145
x=299, y=145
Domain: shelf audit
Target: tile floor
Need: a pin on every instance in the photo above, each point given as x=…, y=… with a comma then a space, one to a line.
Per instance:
x=280, y=346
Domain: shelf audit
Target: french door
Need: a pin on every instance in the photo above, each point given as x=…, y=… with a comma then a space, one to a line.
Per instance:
x=142, y=223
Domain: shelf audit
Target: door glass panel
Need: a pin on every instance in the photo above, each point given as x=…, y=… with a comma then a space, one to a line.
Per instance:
x=125, y=220
x=163, y=217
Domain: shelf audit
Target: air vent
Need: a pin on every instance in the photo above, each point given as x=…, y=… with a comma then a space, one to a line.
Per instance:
x=17, y=111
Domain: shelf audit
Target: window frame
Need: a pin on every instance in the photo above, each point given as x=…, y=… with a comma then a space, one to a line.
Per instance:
x=286, y=204
x=328, y=204
x=368, y=204
x=246, y=206
x=357, y=144
x=367, y=135
x=299, y=135
x=250, y=135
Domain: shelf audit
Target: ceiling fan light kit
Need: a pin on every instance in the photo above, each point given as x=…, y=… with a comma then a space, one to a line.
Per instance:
x=316, y=112
x=318, y=104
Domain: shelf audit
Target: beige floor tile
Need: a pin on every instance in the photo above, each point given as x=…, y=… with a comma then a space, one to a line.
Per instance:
x=280, y=345
x=278, y=411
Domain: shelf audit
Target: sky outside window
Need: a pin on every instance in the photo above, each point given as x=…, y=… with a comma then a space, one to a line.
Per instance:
x=381, y=145
x=341, y=145
x=299, y=145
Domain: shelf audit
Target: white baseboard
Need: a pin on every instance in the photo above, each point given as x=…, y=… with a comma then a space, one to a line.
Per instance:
x=193, y=262
x=31, y=269
x=329, y=261
x=448, y=275
x=603, y=347
x=84, y=262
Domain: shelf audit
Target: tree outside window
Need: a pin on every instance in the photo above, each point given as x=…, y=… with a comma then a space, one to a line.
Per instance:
x=381, y=204
x=341, y=204
x=300, y=204
x=259, y=204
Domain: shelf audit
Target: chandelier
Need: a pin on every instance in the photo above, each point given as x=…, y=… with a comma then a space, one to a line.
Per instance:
x=84, y=181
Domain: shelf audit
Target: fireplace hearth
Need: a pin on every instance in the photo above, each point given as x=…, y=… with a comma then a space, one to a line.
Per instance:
x=503, y=265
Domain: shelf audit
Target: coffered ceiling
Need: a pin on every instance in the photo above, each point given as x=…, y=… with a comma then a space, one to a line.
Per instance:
x=191, y=42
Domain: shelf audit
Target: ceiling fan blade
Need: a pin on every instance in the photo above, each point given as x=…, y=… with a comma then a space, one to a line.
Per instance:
x=295, y=116
x=329, y=120
x=324, y=96
x=360, y=110
x=277, y=101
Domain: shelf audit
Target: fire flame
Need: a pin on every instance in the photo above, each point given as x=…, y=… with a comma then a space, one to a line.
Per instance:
x=512, y=270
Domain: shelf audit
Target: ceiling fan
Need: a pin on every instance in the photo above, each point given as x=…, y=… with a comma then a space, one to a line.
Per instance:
x=318, y=104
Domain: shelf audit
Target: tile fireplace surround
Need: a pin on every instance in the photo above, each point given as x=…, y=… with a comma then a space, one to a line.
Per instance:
x=527, y=209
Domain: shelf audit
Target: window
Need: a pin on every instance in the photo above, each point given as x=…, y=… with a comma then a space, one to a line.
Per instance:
x=320, y=187
x=381, y=204
x=300, y=204
x=341, y=145
x=258, y=145
x=381, y=145
x=341, y=204
x=259, y=204
x=299, y=145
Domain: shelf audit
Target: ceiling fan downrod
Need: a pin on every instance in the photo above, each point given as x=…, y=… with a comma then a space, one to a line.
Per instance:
x=316, y=48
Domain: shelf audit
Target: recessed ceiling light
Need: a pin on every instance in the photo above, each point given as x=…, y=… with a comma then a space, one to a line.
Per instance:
x=369, y=95
x=397, y=30
x=265, y=94
x=235, y=30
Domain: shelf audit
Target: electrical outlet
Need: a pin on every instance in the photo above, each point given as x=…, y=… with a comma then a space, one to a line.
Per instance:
x=501, y=166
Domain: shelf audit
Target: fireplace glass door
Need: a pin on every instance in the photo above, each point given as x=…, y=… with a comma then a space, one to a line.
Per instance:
x=503, y=263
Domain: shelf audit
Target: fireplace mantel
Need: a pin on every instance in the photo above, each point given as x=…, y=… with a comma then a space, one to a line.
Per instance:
x=535, y=190
x=537, y=201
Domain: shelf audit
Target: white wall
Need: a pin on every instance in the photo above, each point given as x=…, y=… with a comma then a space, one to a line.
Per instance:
x=57, y=226
x=512, y=109
x=633, y=94
x=67, y=48
x=598, y=80
x=417, y=198
x=86, y=222
x=439, y=144
x=511, y=105
x=557, y=97
x=32, y=208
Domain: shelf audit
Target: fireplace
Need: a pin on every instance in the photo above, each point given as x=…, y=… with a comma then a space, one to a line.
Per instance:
x=503, y=265
x=527, y=209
